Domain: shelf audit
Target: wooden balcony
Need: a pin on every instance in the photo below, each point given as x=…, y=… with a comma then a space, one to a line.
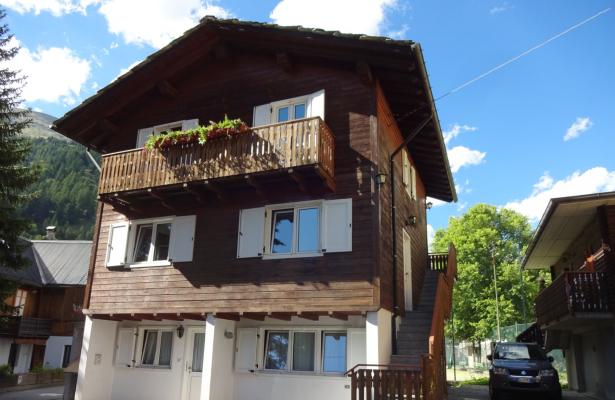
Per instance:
x=25, y=327
x=574, y=296
x=290, y=147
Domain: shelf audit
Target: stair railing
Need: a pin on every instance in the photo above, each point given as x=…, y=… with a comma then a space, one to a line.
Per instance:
x=433, y=364
x=385, y=381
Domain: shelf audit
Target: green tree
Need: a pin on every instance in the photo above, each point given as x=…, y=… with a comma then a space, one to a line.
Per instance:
x=15, y=174
x=483, y=236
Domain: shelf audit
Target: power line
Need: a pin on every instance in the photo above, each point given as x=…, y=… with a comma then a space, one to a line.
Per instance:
x=525, y=53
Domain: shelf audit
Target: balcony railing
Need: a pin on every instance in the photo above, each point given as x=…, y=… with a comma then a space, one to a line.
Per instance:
x=306, y=142
x=16, y=326
x=573, y=292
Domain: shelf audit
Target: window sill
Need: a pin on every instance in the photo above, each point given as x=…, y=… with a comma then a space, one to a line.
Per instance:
x=302, y=374
x=165, y=263
x=292, y=255
x=153, y=367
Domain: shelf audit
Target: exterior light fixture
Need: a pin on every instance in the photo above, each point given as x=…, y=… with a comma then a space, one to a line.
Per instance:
x=429, y=205
x=411, y=220
x=381, y=179
x=228, y=334
x=180, y=331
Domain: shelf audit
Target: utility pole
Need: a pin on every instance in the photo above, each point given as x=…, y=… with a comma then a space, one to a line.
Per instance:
x=495, y=287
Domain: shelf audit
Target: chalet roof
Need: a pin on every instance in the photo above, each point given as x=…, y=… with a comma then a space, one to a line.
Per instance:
x=562, y=222
x=53, y=262
x=397, y=64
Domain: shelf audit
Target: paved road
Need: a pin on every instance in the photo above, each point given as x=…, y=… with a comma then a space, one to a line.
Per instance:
x=48, y=393
x=482, y=393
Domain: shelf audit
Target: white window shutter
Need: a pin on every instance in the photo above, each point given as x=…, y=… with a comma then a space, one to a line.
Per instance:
x=262, y=115
x=413, y=181
x=405, y=168
x=337, y=226
x=189, y=124
x=143, y=135
x=125, y=347
x=316, y=104
x=182, y=238
x=116, y=246
x=250, y=238
x=245, y=350
x=357, y=347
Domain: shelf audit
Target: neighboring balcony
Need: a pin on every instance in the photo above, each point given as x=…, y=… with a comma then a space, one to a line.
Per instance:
x=576, y=298
x=25, y=327
x=298, y=152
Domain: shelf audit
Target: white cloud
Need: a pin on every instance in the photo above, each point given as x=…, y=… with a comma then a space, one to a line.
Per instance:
x=399, y=33
x=597, y=179
x=579, y=126
x=156, y=22
x=436, y=202
x=461, y=156
x=54, y=74
x=505, y=6
x=128, y=68
x=455, y=130
x=358, y=16
x=431, y=233
x=55, y=7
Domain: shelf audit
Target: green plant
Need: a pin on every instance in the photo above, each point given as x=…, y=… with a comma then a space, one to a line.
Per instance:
x=5, y=370
x=483, y=381
x=41, y=369
x=201, y=134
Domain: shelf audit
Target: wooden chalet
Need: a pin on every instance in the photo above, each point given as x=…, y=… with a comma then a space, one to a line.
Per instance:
x=289, y=260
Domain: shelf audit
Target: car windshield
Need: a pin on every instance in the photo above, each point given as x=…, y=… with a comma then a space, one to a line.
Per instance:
x=515, y=351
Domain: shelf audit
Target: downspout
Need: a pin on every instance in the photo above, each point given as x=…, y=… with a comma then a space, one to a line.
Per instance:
x=407, y=140
x=92, y=159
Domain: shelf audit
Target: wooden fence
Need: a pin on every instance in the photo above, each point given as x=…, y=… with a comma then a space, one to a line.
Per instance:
x=389, y=381
x=266, y=148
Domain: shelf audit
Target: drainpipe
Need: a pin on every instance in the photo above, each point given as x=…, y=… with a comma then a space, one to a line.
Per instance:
x=407, y=140
x=87, y=151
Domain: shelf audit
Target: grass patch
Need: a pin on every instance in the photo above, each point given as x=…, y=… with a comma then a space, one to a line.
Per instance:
x=483, y=381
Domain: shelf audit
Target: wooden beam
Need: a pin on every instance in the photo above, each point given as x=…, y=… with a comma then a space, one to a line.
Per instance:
x=222, y=52
x=337, y=315
x=329, y=182
x=153, y=193
x=190, y=189
x=298, y=178
x=254, y=316
x=221, y=194
x=195, y=317
x=229, y=316
x=147, y=317
x=310, y=316
x=365, y=73
x=284, y=61
x=166, y=89
x=256, y=185
x=284, y=316
x=170, y=317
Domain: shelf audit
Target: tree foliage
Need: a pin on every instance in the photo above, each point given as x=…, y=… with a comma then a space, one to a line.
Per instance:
x=483, y=236
x=15, y=173
x=65, y=194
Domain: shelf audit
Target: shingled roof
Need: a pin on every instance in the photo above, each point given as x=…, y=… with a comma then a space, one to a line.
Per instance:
x=398, y=65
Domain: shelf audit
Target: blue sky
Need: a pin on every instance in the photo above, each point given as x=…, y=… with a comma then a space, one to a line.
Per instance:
x=541, y=127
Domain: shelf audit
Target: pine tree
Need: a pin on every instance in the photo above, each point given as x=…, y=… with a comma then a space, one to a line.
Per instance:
x=15, y=175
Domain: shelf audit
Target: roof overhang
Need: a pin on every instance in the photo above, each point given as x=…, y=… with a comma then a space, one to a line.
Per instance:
x=562, y=222
x=397, y=64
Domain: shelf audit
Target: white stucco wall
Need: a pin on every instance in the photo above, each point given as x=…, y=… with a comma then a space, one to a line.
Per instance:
x=378, y=337
x=54, y=350
x=5, y=350
x=272, y=386
x=218, y=376
x=95, y=377
x=24, y=358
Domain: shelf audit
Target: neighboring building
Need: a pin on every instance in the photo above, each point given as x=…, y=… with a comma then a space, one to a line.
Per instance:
x=575, y=313
x=260, y=266
x=48, y=301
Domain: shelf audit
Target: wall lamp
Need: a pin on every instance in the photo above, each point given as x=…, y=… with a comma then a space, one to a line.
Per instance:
x=411, y=220
x=429, y=205
x=381, y=179
x=180, y=331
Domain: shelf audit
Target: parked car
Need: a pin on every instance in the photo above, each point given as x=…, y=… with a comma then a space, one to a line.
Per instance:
x=522, y=367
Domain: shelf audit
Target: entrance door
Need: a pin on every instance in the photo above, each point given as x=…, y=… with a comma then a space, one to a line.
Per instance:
x=193, y=360
x=407, y=271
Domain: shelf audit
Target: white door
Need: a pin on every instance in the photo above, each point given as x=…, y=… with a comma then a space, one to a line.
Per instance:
x=193, y=363
x=407, y=271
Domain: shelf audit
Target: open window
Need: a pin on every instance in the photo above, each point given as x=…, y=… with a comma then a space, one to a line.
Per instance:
x=145, y=133
x=156, y=347
x=310, y=105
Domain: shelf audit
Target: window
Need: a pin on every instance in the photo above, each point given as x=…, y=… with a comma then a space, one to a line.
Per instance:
x=304, y=229
x=408, y=175
x=151, y=242
x=307, y=106
x=296, y=350
x=288, y=110
x=145, y=133
x=334, y=351
x=157, y=348
x=66, y=355
x=20, y=301
x=294, y=230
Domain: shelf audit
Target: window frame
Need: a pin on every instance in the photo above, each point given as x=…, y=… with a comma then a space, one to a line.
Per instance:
x=296, y=207
x=133, y=237
x=290, y=103
x=142, y=330
x=319, y=333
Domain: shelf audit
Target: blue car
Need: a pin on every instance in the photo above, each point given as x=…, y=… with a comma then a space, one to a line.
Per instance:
x=522, y=368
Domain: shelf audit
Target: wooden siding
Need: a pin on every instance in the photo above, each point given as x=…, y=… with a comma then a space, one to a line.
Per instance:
x=307, y=142
x=216, y=281
x=389, y=138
